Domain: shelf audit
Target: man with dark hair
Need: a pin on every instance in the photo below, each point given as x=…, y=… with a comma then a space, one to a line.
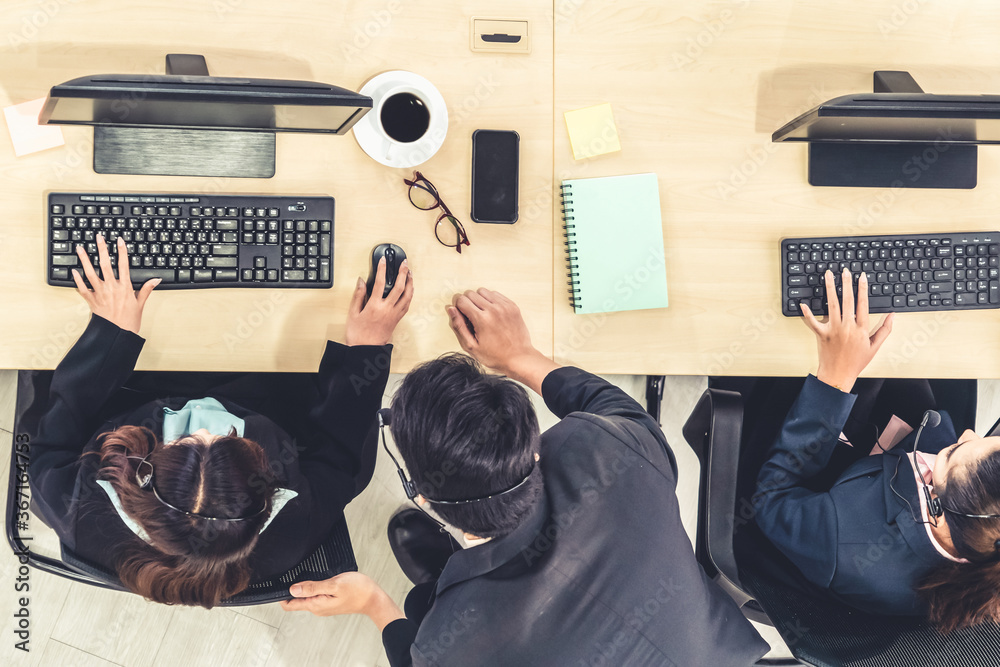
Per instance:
x=578, y=555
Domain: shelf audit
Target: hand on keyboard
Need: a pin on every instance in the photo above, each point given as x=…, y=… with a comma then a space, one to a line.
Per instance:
x=112, y=296
x=845, y=345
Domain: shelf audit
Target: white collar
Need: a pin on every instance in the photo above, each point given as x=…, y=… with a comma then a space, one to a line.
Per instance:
x=278, y=501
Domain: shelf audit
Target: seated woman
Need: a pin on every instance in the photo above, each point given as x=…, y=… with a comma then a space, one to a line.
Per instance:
x=190, y=498
x=905, y=531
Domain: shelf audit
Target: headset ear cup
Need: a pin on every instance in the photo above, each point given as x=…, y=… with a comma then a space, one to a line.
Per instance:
x=934, y=507
x=144, y=480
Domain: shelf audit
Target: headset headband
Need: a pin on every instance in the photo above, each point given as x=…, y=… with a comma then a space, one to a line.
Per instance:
x=146, y=482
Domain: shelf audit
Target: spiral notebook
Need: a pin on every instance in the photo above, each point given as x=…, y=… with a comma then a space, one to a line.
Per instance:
x=614, y=241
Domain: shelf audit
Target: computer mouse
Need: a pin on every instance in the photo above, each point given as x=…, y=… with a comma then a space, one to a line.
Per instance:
x=394, y=256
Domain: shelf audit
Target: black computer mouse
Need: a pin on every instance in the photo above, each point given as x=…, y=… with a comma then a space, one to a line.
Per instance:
x=394, y=257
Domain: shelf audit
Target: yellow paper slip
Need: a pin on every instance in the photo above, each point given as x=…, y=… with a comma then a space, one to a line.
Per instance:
x=592, y=131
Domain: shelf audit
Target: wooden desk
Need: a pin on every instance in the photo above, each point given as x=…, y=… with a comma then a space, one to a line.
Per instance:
x=343, y=43
x=697, y=88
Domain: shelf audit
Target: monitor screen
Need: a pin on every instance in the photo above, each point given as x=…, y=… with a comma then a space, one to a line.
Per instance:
x=899, y=118
x=204, y=102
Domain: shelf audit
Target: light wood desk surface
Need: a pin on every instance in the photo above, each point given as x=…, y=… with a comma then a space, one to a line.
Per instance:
x=341, y=42
x=697, y=88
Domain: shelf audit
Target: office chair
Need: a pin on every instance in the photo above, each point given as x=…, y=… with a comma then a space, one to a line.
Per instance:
x=818, y=629
x=333, y=556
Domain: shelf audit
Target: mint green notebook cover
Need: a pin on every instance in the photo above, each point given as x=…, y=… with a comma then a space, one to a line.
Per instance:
x=615, y=236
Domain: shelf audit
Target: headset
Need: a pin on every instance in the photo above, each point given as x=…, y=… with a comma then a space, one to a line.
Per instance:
x=146, y=482
x=385, y=419
x=935, y=507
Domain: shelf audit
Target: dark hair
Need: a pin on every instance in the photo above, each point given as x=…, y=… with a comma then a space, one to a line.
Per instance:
x=960, y=595
x=191, y=560
x=466, y=434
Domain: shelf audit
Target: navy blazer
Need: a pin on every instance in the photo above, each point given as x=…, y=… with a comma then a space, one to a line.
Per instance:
x=600, y=572
x=316, y=437
x=859, y=539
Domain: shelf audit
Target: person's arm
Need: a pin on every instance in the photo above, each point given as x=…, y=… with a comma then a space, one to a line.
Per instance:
x=489, y=326
x=499, y=339
x=351, y=382
x=800, y=522
x=356, y=593
x=96, y=366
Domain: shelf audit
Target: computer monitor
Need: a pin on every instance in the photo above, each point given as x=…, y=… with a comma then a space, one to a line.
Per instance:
x=188, y=123
x=898, y=136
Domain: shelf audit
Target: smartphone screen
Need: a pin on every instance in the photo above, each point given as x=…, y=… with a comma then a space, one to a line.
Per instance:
x=494, y=176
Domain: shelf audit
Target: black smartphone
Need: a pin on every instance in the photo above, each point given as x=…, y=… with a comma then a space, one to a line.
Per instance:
x=494, y=176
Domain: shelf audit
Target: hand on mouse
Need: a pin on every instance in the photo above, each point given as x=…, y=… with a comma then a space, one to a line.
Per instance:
x=112, y=298
x=499, y=338
x=372, y=323
x=845, y=345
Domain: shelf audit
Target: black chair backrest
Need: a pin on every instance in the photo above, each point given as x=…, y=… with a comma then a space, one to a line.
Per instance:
x=334, y=556
x=821, y=630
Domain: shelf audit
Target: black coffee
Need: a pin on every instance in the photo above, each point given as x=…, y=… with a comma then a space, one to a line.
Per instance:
x=404, y=117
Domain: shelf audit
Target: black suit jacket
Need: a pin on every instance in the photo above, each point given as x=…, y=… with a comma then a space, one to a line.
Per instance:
x=601, y=572
x=858, y=539
x=326, y=429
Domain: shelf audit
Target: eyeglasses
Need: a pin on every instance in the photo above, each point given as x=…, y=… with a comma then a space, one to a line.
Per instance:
x=146, y=481
x=425, y=196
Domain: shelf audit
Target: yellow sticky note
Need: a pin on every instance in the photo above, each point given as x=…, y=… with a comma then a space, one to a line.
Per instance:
x=25, y=132
x=592, y=131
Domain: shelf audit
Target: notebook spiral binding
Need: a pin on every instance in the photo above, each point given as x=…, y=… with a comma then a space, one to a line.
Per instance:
x=566, y=193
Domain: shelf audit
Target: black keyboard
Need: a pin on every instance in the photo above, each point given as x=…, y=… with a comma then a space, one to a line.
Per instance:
x=906, y=272
x=194, y=240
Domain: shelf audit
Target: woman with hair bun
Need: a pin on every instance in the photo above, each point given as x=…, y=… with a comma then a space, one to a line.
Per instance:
x=193, y=491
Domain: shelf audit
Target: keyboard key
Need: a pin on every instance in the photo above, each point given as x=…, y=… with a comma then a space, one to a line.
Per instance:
x=293, y=275
x=221, y=262
x=142, y=275
x=226, y=275
x=225, y=250
x=202, y=275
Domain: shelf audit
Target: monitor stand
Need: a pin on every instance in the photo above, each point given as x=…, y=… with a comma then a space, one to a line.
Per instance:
x=888, y=165
x=183, y=152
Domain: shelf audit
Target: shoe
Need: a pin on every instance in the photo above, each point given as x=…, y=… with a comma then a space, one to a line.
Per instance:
x=418, y=544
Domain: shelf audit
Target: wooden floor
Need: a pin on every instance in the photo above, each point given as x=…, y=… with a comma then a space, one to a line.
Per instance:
x=77, y=625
